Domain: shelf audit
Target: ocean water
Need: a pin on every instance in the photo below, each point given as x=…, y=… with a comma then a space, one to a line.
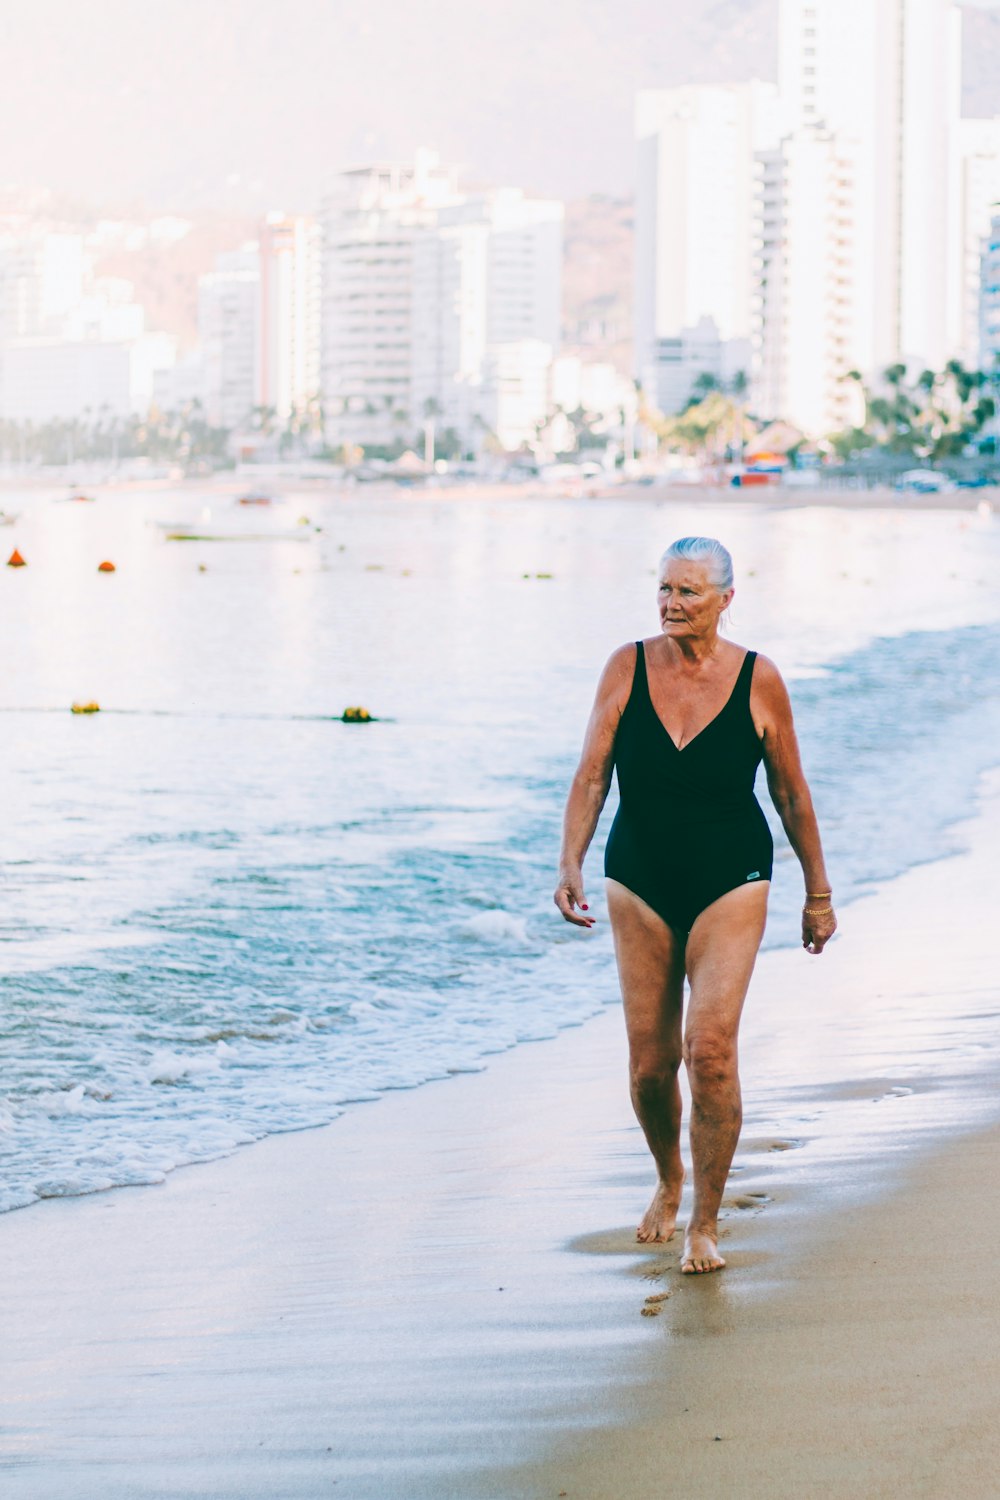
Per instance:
x=225, y=913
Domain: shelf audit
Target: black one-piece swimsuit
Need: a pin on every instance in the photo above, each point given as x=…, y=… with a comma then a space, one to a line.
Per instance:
x=688, y=827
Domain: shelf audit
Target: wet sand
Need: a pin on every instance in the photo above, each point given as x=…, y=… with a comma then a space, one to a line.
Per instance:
x=440, y=1295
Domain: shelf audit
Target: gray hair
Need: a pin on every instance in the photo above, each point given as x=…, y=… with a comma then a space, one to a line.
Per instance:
x=703, y=549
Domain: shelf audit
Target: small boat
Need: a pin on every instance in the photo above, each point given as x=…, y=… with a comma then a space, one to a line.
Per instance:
x=6, y=520
x=182, y=531
x=256, y=497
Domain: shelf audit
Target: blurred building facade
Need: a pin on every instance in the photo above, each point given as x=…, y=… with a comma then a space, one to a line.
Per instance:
x=486, y=296
x=694, y=226
x=288, y=319
x=228, y=333
x=868, y=204
x=72, y=344
x=441, y=309
x=371, y=220
x=989, y=299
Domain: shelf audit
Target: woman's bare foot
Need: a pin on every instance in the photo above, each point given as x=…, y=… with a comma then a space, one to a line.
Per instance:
x=660, y=1218
x=701, y=1253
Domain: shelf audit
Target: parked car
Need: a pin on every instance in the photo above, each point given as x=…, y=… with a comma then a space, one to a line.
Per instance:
x=924, y=481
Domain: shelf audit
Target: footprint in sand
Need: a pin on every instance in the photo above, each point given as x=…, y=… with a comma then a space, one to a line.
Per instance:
x=657, y=1298
x=772, y=1143
x=748, y=1200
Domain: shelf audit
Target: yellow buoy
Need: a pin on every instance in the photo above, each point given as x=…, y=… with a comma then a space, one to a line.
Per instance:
x=356, y=715
x=86, y=708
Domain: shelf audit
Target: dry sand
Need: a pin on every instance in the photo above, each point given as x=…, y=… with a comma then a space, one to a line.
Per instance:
x=440, y=1295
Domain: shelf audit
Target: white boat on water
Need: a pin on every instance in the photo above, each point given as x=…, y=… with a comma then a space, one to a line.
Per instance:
x=231, y=528
x=199, y=531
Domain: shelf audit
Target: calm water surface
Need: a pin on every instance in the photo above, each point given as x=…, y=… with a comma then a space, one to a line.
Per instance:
x=225, y=914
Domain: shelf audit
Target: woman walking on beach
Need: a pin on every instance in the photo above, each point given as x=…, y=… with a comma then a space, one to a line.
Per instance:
x=685, y=718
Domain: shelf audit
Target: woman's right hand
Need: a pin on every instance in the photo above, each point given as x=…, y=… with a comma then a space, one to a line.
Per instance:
x=569, y=896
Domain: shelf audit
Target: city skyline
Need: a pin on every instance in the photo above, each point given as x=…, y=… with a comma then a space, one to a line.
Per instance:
x=247, y=108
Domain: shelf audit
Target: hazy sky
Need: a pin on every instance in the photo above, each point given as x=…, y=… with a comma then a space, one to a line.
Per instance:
x=190, y=103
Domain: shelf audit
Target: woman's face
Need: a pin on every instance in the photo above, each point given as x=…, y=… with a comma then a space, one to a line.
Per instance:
x=688, y=600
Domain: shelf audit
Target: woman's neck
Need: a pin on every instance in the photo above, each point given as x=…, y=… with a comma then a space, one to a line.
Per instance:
x=694, y=651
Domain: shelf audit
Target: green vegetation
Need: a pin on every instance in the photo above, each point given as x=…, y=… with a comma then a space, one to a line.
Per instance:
x=928, y=417
x=175, y=437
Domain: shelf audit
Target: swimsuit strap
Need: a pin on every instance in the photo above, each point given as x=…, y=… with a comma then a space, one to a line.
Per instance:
x=640, y=679
x=639, y=674
x=745, y=679
x=740, y=699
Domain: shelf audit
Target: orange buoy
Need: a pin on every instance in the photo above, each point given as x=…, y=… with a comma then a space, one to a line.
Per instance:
x=106, y=567
x=15, y=560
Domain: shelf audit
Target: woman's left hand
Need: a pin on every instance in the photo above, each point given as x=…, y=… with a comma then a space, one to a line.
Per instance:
x=818, y=926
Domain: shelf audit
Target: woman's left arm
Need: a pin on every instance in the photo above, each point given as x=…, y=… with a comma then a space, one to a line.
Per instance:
x=786, y=782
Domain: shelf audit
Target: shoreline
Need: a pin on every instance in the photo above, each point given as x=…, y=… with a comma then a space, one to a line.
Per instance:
x=327, y=487
x=291, y=1315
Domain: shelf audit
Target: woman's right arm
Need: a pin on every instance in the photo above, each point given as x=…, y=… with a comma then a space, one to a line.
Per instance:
x=589, y=790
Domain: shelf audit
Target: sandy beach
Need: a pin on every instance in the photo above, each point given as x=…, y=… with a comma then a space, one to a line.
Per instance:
x=460, y=1311
x=838, y=496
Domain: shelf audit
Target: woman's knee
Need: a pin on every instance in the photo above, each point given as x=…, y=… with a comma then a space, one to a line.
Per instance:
x=651, y=1072
x=710, y=1057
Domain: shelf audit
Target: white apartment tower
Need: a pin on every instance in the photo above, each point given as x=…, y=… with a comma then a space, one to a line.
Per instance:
x=288, y=373
x=806, y=316
x=883, y=78
x=228, y=302
x=694, y=229
x=487, y=280
x=370, y=222
x=989, y=308
x=976, y=199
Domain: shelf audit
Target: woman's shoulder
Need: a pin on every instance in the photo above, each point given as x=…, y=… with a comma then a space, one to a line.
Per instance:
x=615, y=686
x=765, y=672
x=768, y=694
x=620, y=665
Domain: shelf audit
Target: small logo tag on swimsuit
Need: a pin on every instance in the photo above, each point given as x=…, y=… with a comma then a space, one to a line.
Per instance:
x=754, y=875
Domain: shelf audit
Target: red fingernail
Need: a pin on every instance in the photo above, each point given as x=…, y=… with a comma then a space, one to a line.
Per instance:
x=585, y=907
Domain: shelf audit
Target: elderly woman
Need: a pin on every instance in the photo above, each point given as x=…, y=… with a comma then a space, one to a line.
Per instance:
x=686, y=718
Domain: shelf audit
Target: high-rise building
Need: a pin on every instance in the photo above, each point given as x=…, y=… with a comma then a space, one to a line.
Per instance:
x=71, y=344
x=806, y=334
x=42, y=275
x=370, y=222
x=976, y=198
x=694, y=228
x=228, y=306
x=288, y=373
x=883, y=77
x=989, y=304
x=487, y=279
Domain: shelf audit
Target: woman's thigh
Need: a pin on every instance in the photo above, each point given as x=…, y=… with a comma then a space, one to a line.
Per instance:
x=651, y=972
x=722, y=949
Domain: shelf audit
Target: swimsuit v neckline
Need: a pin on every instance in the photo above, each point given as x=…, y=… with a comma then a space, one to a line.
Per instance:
x=680, y=749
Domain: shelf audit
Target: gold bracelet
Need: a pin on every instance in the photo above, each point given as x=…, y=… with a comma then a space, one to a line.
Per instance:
x=818, y=895
x=816, y=911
